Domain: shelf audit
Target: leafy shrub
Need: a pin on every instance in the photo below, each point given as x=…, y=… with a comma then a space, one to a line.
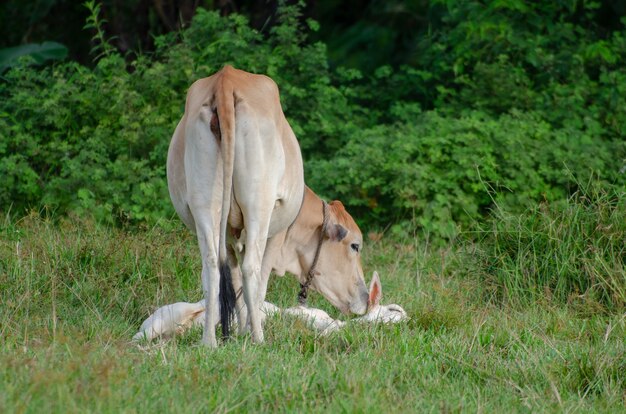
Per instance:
x=445, y=170
x=553, y=58
x=83, y=140
x=496, y=108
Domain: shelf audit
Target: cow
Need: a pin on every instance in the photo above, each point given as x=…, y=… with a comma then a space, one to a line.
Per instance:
x=236, y=179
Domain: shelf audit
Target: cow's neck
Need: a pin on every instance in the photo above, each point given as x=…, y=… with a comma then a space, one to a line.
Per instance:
x=302, y=237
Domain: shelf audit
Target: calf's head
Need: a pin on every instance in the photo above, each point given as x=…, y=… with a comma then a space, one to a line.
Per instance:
x=338, y=274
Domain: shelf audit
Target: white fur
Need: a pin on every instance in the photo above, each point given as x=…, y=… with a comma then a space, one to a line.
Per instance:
x=315, y=318
x=171, y=319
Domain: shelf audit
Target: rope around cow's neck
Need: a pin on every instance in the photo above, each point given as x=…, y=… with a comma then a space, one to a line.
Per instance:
x=304, y=287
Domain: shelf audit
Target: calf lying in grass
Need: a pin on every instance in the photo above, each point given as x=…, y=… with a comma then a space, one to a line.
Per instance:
x=323, y=323
x=176, y=318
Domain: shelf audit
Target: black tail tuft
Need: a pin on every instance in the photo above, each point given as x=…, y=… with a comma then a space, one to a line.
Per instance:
x=227, y=300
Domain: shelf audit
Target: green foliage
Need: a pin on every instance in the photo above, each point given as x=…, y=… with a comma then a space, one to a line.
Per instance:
x=95, y=141
x=102, y=46
x=81, y=143
x=38, y=54
x=444, y=170
x=528, y=101
x=516, y=104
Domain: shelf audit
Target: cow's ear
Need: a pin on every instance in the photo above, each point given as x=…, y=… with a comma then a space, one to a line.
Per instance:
x=336, y=232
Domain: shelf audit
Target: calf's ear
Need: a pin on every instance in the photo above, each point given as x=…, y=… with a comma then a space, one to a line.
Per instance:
x=376, y=291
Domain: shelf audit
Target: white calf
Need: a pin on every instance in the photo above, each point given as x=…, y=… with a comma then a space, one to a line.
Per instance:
x=178, y=317
x=323, y=323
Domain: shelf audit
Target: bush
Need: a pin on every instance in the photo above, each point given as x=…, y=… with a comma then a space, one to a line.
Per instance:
x=445, y=171
x=516, y=118
x=84, y=141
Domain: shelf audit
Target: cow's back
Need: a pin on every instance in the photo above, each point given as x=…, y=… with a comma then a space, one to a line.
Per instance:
x=267, y=153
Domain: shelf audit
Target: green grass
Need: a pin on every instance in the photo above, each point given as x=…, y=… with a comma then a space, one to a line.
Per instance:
x=72, y=294
x=573, y=250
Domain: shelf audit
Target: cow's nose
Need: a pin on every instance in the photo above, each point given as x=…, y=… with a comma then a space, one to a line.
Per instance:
x=359, y=306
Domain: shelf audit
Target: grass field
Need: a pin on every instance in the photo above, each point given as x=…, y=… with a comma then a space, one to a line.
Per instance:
x=73, y=293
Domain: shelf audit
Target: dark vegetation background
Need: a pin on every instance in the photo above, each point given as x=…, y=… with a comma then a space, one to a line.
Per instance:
x=417, y=114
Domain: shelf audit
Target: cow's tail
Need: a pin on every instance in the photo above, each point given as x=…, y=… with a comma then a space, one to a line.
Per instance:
x=225, y=97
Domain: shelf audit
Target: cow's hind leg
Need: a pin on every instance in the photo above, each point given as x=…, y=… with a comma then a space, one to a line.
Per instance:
x=208, y=242
x=259, y=163
x=204, y=178
x=251, y=269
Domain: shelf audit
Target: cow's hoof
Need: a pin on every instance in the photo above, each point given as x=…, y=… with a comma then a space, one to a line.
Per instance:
x=257, y=337
x=209, y=342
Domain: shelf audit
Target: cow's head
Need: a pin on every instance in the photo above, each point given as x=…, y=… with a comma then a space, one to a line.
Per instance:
x=338, y=275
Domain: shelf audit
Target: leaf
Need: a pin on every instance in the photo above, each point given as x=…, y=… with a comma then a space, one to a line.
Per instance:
x=40, y=52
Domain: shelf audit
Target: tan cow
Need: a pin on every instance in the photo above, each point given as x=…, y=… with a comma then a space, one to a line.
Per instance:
x=234, y=164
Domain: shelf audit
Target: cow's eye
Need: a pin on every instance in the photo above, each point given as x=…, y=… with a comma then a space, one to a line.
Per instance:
x=355, y=247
